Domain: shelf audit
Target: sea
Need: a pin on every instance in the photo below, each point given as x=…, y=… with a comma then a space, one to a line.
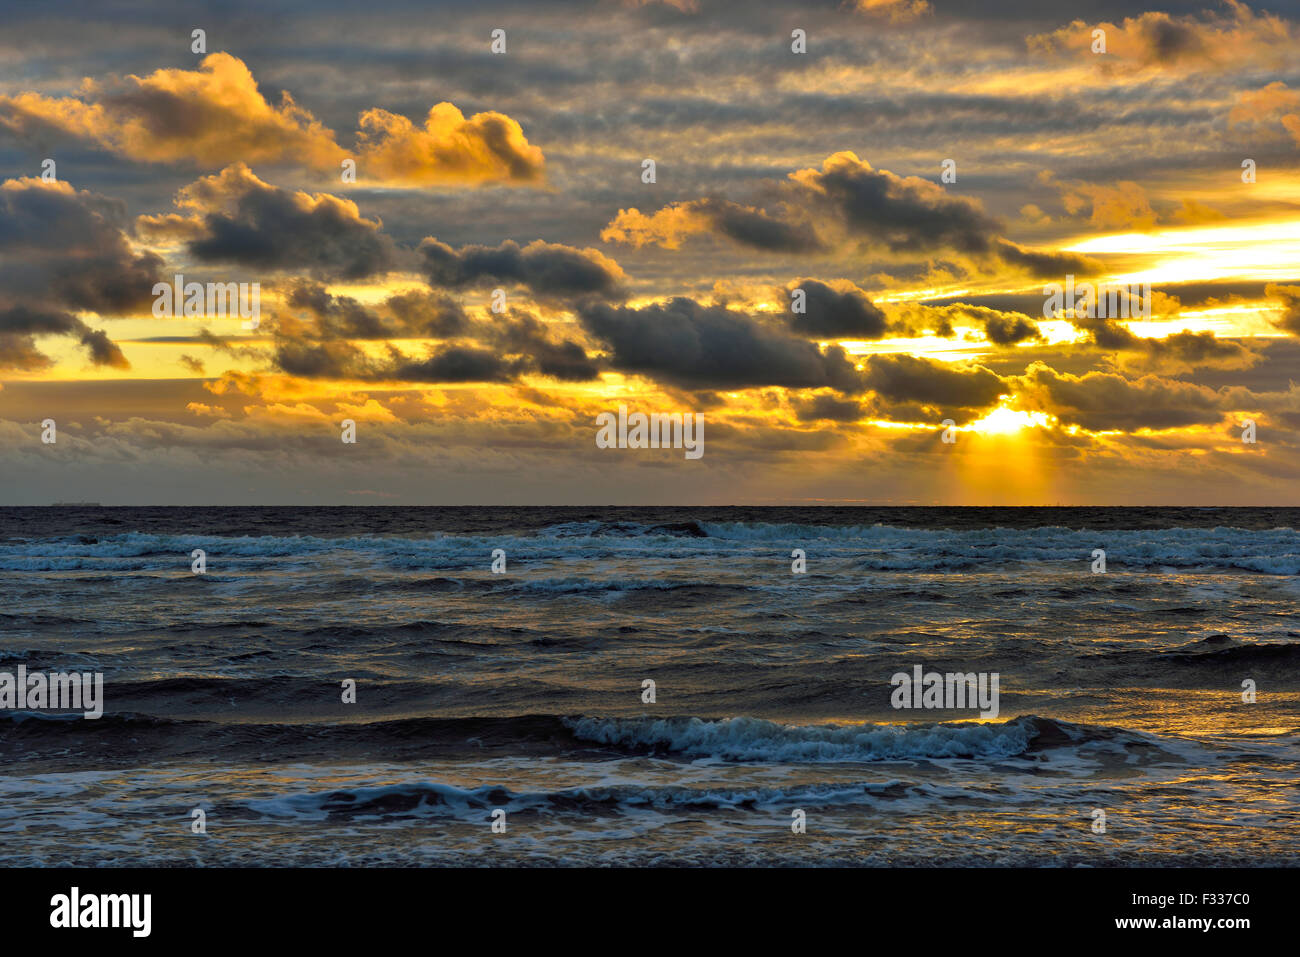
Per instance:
x=668, y=686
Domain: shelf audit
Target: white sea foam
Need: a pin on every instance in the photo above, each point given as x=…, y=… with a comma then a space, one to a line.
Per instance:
x=755, y=739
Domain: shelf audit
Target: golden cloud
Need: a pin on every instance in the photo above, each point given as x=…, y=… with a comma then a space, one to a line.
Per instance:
x=1156, y=39
x=216, y=115
x=1274, y=103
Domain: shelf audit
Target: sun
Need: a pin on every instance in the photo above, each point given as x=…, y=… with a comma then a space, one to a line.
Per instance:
x=1007, y=421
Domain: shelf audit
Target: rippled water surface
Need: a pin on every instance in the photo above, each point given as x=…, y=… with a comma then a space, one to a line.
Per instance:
x=1119, y=692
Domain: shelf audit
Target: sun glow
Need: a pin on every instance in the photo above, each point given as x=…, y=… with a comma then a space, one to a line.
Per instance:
x=1007, y=421
x=1261, y=252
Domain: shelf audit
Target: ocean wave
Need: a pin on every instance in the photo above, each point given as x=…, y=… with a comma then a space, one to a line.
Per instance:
x=877, y=547
x=1259, y=653
x=756, y=739
x=746, y=739
x=435, y=799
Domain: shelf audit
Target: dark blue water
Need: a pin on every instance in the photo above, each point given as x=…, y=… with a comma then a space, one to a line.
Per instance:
x=524, y=691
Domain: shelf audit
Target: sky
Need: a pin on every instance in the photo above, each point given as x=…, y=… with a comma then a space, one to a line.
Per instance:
x=830, y=229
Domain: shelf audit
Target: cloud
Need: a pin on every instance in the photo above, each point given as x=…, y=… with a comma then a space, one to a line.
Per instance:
x=451, y=364
x=828, y=408
x=103, y=350
x=20, y=323
x=1275, y=103
x=710, y=347
x=1007, y=330
x=455, y=363
x=835, y=313
x=905, y=378
x=1178, y=352
x=216, y=115
x=238, y=218
x=548, y=270
x=1100, y=401
x=340, y=359
x=911, y=216
x=746, y=225
x=906, y=214
x=1210, y=40
x=213, y=116
x=322, y=345
x=1122, y=206
x=846, y=205
x=20, y=353
x=1001, y=328
x=520, y=333
x=1193, y=213
x=488, y=147
x=1186, y=350
x=61, y=251
x=411, y=314
x=897, y=11
x=63, y=245
x=1289, y=312
x=684, y=6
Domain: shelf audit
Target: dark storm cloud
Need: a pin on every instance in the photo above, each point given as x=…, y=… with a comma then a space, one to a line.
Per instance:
x=1197, y=350
x=905, y=378
x=828, y=408
x=409, y=314
x=427, y=313
x=62, y=246
x=26, y=320
x=523, y=334
x=62, y=250
x=241, y=219
x=1177, y=351
x=1007, y=330
x=1039, y=262
x=847, y=204
x=755, y=228
x=710, y=347
x=497, y=350
x=337, y=316
x=20, y=352
x=422, y=314
x=20, y=323
x=1001, y=328
x=453, y=364
x=1106, y=333
x=342, y=360
x=904, y=214
x=268, y=230
x=320, y=359
x=547, y=270
x=832, y=313
x=1101, y=401
x=18, y=327
x=448, y=364
x=103, y=351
